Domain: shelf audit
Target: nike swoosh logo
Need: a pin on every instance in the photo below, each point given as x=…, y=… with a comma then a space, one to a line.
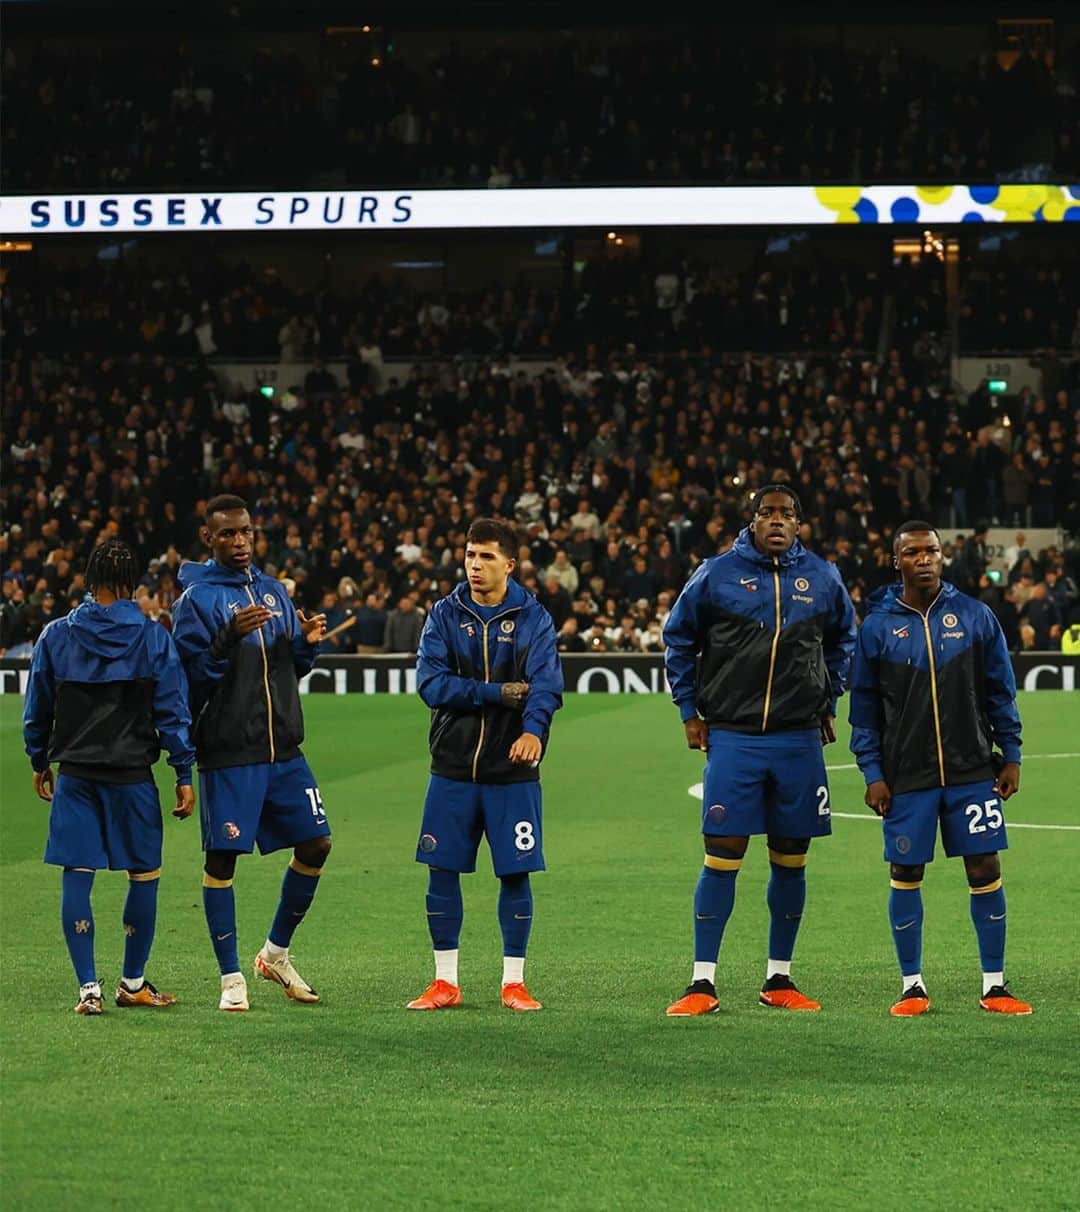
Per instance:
x=747, y=580
x=522, y=917
x=705, y=917
x=899, y=630
x=222, y=937
x=997, y=917
x=905, y=926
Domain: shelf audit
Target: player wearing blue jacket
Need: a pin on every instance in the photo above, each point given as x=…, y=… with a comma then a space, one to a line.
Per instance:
x=936, y=733
x=489, y=671
x=244, y=646
x=106, y=690
x=758, y=647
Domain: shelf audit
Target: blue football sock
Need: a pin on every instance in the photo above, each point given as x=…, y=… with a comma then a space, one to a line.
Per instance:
x=78, y=922
x=906, y=919
x=786, y=897
x=220, y=906
x=444, y=908
x=140, y=918
x=988, y=914
x=714, y=899
x=515, y=913
x=297, y=892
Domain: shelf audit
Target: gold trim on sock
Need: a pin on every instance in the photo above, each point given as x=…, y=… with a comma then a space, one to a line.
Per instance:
x=304, y=869
x=717, y=863
x=209, y=881
x=906, y=885
x=987, y=887
x=144, y=877
x=787, y=860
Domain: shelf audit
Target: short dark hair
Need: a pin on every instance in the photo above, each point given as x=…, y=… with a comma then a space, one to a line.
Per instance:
x=494, y=530
x=756, y=499
x=915, y=526
x=112, y=566
x=226, y=502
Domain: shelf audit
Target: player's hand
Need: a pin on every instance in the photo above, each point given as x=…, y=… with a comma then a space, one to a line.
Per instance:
x=185, y=802
x=514, y=694
x=526, y=750
x=250, y=619
x=828, y=729
x=697, y=734
x=1007, y=782
x=314, y=628
x=879, y=797
x=43, y=784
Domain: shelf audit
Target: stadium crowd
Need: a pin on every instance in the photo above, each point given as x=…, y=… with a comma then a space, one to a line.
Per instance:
x=622, y=469
x=671, y=104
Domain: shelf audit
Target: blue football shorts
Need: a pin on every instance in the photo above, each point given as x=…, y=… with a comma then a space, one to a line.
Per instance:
x=773, y=783
x=104, y=826
x=971, y=818
x=273, y=805
x=457, y=815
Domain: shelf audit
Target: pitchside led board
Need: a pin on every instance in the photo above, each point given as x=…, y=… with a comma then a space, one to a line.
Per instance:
x=652, y=206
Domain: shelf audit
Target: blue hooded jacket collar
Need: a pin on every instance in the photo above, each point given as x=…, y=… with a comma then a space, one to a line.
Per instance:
x=213, y=573
x=517, y=597
x=887, y=598
x=109, y=632
x=744, y=547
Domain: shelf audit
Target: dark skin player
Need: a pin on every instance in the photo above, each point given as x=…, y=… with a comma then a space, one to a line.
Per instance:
x=231, y=539
x=774, y=528
x=917, y=554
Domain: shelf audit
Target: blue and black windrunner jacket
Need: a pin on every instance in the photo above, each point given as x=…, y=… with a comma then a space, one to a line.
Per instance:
x=244, y=694
x=759, y=643
x=462, y=662
x=931, y=696
x=106, y=693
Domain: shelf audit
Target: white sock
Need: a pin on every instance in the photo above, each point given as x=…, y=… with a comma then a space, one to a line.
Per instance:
x=704, y=972
x=912, y=980
x=90, y=989
x=513, y=969
x=446, y=966
x=227, y=978
x=274, y=951
x=134, y=984
x=778, y=968
x=990, y=979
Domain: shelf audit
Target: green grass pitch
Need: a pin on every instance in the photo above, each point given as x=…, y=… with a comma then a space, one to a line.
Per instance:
x=598, y=1102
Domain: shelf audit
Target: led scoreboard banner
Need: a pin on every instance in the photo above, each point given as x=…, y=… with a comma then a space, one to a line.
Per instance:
x=652, y=206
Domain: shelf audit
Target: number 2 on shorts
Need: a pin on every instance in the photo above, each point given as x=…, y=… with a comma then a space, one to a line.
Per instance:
x=983, y=816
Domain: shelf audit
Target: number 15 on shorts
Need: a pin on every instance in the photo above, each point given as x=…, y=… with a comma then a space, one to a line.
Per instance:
x=315, y=800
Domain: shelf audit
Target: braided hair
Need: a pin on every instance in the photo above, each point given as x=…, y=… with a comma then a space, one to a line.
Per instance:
x=112, y=566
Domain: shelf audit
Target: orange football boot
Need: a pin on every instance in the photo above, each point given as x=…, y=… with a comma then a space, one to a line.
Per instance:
x=146, y=996
x=516, y=997
x=699, y=998
x=439, y=995
x=779, y=993
x=914, y=1001
x=1000, y=1001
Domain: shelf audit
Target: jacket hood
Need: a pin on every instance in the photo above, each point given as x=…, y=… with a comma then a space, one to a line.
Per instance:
x=517, y=597
x=744, y=546
x=887, y=598
x=109, y=632
x=213, y=573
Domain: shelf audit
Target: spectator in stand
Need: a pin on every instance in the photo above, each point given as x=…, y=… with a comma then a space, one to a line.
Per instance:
x=1041, y=615
x=403, y=627
x=569, y=639
x=370, y=627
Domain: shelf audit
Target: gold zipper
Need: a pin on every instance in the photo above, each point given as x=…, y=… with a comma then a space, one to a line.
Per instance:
x=266, y=680
x=775, y=643
x=480, y=740
x=487, y=673
x=933, y=683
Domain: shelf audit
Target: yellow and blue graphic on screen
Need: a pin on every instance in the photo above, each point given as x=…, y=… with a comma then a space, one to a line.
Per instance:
x=951, y=203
